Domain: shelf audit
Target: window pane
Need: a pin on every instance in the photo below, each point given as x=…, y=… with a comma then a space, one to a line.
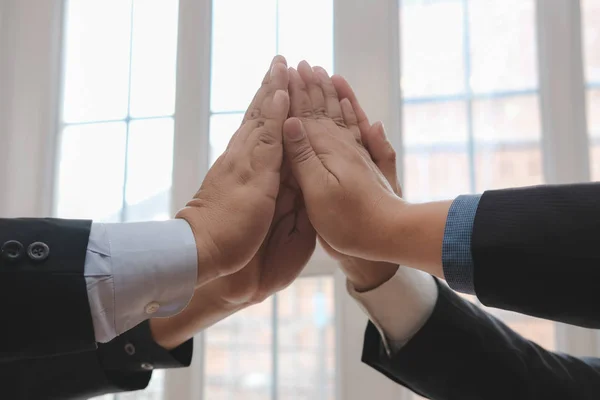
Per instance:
x=91, y=171
x=153, y=57
x=432, y=47
x=503, y=47
x=306, y=345
x=507, y=142
x=296, y=42
x=590, y=13
x=436, y=164
x=243, y=44
x=239, y=355
x=96, y=60
x=222, y=128
x=149, y=169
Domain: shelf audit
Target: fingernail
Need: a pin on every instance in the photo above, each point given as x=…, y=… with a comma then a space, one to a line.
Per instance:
x=296, y=132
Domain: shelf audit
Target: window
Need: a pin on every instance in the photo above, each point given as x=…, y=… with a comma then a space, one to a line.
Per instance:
x=471, y=114
x=470, y=105
x=590, y=13
x=283, y=348
x=116, y=140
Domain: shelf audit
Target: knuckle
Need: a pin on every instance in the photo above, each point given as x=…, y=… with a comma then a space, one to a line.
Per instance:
x=305, y=113
x=320, y=111
x=241, y=172
x=265, y=136
x=302, y=154
x=339, y=121
x=391, y=155
x=253, y=113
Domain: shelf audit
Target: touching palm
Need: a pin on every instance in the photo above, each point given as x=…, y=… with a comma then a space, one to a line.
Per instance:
x=282, y=255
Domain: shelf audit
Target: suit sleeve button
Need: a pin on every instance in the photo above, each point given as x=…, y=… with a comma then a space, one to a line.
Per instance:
x=12, y=250
x=38, y=251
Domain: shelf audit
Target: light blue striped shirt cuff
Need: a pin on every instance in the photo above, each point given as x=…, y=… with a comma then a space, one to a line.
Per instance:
x=457, y=259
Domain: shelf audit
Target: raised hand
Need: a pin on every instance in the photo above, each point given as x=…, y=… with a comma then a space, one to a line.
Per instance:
x=232, y=212
x=364, y=274
x=346, y=195
x=288, y=243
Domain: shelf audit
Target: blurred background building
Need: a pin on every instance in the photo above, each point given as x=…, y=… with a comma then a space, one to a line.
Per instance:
x=115, y=109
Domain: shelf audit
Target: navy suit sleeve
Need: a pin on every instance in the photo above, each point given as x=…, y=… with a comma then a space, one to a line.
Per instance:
x=462, y=352
x=45, y=309
x=536, y=251
x=124, y=364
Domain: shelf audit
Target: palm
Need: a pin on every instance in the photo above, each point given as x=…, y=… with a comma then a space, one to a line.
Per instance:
x=282, y=255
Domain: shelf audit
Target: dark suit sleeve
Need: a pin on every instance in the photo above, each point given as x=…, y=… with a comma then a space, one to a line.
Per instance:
x=123, y=364
x=43, y=292
x=537, y=251
x=464, y=353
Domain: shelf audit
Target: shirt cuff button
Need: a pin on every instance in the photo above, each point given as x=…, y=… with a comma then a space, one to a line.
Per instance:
x=152, y=307
x=147, y=366
x=130, y=349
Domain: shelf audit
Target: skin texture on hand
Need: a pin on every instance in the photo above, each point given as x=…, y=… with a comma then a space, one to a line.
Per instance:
x=347, y=197
x=230, y=216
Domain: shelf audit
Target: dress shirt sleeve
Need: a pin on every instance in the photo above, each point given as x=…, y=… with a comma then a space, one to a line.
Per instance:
x=135, y=271
x=399, y=307
x=457, y=259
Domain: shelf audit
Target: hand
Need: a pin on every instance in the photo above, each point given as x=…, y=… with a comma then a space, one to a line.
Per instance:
x=283, y=254
x=346, y=195
x=231, y=214
x=367, y=275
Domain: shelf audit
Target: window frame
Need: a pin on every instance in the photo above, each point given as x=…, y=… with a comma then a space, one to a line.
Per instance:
x=30, y=72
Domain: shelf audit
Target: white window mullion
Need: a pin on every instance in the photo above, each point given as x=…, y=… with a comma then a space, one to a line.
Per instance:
x=562, y=92
x=191, y=153
x=565, y=136
x=375, y=76
x=31, y=43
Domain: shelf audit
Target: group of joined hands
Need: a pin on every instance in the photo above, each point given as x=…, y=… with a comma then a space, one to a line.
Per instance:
x=305, y=163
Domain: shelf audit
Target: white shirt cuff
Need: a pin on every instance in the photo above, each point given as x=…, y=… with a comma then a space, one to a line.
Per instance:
x=135, y=271
x=399, y=307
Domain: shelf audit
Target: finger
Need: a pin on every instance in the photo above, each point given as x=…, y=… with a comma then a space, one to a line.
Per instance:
x=314, y=89
x=350, y=119
x=345, y=91
x=300, y=103
x=266, y=138
x=332, y=101
x=264, y=90
x=305, y=164
x=383, y=154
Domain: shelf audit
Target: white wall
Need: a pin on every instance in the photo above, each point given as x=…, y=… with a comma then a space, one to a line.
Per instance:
x=29, y=72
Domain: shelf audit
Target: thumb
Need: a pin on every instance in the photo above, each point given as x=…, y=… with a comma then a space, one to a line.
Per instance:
x=302, y=157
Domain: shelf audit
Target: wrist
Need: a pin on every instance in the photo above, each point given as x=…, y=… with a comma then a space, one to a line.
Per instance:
x=204, y=310
x=206, y=267
x=367, y=275
x=416, y=233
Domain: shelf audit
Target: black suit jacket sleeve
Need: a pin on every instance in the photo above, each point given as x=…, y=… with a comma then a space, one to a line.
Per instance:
x=537, y=251
x=121, y=365
x=45, y=309
x=464, y=353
